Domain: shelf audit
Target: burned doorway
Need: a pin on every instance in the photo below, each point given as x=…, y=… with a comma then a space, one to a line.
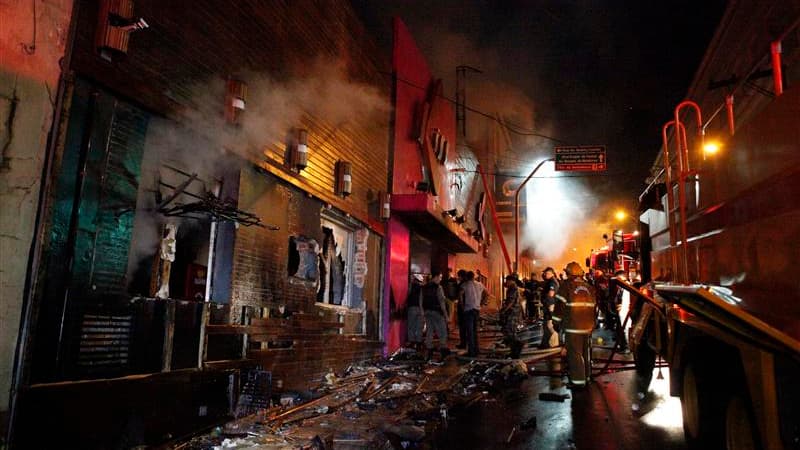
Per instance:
x=420, y=256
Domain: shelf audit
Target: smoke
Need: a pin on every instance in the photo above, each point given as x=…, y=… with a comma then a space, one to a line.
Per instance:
x=561, y=218
x=321, y=98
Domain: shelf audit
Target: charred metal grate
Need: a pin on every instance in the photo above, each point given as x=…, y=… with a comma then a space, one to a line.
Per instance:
x=105, y=342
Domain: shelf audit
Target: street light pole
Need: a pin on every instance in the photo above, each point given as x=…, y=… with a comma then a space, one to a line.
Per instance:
x=516, y=213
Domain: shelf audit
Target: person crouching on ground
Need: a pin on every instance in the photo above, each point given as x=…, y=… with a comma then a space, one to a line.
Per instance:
x=511, y=315
x=434, y=303
x=579, y=298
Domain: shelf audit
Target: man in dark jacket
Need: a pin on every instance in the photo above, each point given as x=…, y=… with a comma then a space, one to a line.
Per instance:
x=416, y=317
x=434, y=303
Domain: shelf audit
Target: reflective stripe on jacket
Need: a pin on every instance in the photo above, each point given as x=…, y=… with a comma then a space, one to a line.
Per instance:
x=578, y=298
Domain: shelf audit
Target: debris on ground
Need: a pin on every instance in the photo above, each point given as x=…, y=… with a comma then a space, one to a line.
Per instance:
x=390, y=403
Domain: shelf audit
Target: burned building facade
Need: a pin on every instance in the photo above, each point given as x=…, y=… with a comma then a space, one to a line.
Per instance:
x=211, y=200
x=437, y=211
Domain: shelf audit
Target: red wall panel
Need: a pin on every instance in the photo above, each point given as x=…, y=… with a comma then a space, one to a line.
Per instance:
x=397, y=286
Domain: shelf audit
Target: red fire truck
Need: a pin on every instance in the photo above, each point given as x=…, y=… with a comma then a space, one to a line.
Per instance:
x=621, y=252
x=721, y=240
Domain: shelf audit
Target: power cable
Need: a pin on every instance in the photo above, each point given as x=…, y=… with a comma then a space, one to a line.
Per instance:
x=512, y=127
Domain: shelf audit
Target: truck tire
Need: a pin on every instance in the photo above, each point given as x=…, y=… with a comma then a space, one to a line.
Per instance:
x=739, y=425
x=702, y=401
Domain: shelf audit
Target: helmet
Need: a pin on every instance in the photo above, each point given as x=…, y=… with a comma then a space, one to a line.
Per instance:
x=574, y=269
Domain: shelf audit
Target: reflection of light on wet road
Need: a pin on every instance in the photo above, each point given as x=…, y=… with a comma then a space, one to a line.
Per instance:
x=666, y=412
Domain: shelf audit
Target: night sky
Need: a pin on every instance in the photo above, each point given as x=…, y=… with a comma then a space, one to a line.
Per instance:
x=584, y=72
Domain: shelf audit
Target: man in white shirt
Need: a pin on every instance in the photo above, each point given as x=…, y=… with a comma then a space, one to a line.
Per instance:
x=474, y=292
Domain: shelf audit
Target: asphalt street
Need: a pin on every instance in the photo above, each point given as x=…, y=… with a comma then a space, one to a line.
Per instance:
x=607, y=414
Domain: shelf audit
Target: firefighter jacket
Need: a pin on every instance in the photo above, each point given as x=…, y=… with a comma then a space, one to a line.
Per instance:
x=578, y=298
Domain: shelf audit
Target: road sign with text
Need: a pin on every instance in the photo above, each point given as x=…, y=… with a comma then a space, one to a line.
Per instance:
x=581, y=159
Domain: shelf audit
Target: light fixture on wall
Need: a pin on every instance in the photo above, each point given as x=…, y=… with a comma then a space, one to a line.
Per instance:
x=235, y=98
x=344, y=178
x=115, y=22
x=385, y=200
x=298, y=151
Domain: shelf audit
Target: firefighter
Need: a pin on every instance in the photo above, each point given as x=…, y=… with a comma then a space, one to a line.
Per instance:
x=578, y=322
x=549, y=289
x=511, y=315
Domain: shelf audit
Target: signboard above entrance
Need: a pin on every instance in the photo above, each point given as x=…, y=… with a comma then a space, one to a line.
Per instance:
x=581, y=159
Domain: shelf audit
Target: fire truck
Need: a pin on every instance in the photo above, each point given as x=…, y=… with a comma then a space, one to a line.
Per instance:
x=621, y=252
x=720, y=234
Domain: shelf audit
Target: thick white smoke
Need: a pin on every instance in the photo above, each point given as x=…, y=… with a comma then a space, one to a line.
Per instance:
x=560, y=217
x=200, y=141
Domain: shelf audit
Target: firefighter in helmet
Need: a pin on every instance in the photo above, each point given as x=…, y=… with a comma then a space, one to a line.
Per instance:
x=578, y=322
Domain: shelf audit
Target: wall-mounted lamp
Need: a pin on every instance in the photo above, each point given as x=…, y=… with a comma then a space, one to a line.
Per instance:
x=344, y=178
x=235, y=98
x=385, y=200
x=115, y=23
x=298, y=153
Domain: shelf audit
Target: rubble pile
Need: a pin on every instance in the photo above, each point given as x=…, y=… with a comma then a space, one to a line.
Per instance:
x=392, y=403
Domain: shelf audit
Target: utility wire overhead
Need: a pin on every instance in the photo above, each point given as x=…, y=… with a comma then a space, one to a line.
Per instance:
x=514, y=128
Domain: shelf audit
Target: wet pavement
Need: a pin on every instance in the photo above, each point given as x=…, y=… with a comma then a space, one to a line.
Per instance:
x=602, y=416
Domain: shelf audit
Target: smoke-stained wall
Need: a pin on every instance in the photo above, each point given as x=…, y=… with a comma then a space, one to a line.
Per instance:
x=307, y=65
x=29, y=74
x=261, y=279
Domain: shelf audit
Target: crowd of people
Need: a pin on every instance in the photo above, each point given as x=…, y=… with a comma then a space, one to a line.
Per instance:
x=569, y=305
x=430, y=305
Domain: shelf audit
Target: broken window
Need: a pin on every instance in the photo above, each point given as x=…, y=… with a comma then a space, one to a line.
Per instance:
x=342, y=264
x=303, y=258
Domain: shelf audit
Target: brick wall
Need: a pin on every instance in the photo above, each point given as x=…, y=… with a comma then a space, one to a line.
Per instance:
x=273, y=46
x=177, y=65
x=261, y=280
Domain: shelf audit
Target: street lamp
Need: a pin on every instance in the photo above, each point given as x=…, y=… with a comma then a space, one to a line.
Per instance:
x=620, y=215
x=711, y=148
x=516, y=212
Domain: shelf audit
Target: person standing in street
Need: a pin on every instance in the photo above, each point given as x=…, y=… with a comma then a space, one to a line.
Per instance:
x=579, y=299
x=510, y=316
x=415, y=317
x=533, y=303
x=434, y=303
x=455, y=294
x=474, y=292
x=548, y=298
x=615, y=298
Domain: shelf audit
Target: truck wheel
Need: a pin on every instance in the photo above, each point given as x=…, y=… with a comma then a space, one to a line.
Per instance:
x=739, y=425
x=690, y=404
x=702, y=402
